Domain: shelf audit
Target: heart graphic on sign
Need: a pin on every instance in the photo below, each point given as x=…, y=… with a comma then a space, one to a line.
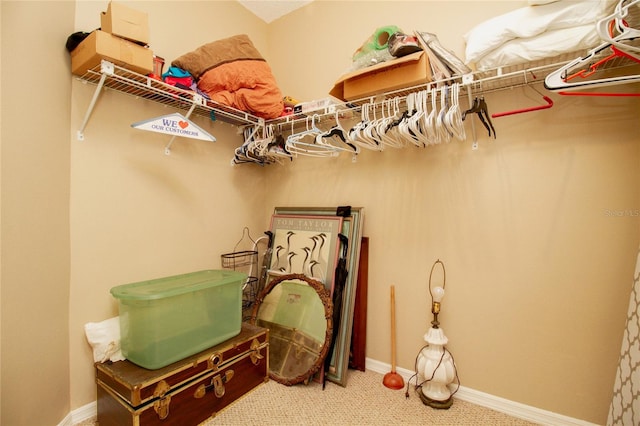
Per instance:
x=183, y=124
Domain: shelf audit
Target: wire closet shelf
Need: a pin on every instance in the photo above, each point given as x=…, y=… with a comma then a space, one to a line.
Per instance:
x=480, y=83
x=110, y=76
x=113, y=77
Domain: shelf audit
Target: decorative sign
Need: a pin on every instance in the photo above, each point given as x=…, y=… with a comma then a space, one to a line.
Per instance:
x=176, y=125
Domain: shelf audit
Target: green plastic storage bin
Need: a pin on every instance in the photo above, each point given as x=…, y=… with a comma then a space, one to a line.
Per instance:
x=167, y=319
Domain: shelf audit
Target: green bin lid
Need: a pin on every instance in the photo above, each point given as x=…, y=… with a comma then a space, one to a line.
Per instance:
x=175, y=285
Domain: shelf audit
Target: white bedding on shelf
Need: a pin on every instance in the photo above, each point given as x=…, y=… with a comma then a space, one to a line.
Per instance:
x=535, y=32
x=546, y=45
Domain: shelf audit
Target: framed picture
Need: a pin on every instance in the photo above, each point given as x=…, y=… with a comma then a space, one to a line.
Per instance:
x=351, y=227
x=306, y=244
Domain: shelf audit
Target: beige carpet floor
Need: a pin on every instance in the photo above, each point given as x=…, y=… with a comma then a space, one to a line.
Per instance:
x=364, y=401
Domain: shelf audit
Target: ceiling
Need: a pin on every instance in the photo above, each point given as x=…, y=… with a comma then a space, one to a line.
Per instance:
x=270, y=10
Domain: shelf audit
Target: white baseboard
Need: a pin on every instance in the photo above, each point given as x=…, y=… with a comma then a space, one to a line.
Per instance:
x=515, y=409
x=81, y=414
x=482, y=399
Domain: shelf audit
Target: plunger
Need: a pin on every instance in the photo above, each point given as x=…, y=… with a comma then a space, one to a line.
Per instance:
x=393, y=380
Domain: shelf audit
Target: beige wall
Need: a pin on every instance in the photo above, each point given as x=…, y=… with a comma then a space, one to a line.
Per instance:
x=35, y=212
x=538, y=274
x=137, y=213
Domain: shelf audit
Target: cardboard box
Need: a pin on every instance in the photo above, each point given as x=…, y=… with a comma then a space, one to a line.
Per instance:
x=408, y=71
x=125, y=22
x=100, y=45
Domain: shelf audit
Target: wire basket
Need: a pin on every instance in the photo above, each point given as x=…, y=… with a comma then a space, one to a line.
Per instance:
x=244, y=261
x=249, y=292
x=239, y=259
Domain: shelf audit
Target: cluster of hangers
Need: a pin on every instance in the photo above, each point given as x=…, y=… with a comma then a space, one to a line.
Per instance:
x=423, y=118
x=619, y=43
x=430, y=117
x=266, y=144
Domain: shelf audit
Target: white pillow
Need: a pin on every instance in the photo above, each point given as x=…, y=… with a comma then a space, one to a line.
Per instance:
x=549, y=44
x=530, y=21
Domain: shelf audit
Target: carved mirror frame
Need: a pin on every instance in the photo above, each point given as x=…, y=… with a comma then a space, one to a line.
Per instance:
x=315, y=364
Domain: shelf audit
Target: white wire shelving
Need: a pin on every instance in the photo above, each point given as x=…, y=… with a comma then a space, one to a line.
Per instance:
x=113, y=77
x=109, y=76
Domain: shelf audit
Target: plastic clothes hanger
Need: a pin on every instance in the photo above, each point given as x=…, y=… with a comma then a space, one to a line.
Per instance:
x=606, y=94
x=385, y=128
x=370, y=131
x=419, y=130
x=549, y=104
x=242, y=156
x=593, y=67
x=416, y=128
x=425, y=130
x=479, y=107
x=378, y=128
x=357, y=134
x=337, y=131
x=277, y=150
x=616, y=23
x=454, y=116
x=354, y=132
x=400, y=126
x=393, y=131
x=245, y=153
x=601, y=82
x=406, y=124
x=559, y=79
x=430, y=120
x=259, y=145
x=409, y=127
x=304, y=142
x=441, y=127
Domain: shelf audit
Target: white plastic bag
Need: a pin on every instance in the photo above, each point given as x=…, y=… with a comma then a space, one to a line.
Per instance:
x=104, y=338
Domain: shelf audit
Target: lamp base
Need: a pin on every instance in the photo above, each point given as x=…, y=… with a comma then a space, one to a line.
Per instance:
x=440, y=405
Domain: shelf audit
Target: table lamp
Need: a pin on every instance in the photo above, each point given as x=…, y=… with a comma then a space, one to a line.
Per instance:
x=435, y=366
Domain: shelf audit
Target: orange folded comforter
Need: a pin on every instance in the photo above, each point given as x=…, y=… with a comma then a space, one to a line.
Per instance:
x=232, y=72
x=245, y=85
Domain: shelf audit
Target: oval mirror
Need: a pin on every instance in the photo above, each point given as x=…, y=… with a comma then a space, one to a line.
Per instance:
x=297, y=310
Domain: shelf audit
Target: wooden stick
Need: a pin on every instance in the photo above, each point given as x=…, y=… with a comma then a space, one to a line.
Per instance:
x=393, y=329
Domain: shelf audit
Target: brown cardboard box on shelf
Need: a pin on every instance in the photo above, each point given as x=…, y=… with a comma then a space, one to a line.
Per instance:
x=101, y=45
x=125, y=22
x=404, y=72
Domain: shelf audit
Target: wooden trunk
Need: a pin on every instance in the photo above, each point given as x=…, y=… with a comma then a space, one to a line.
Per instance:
x=186, y=392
